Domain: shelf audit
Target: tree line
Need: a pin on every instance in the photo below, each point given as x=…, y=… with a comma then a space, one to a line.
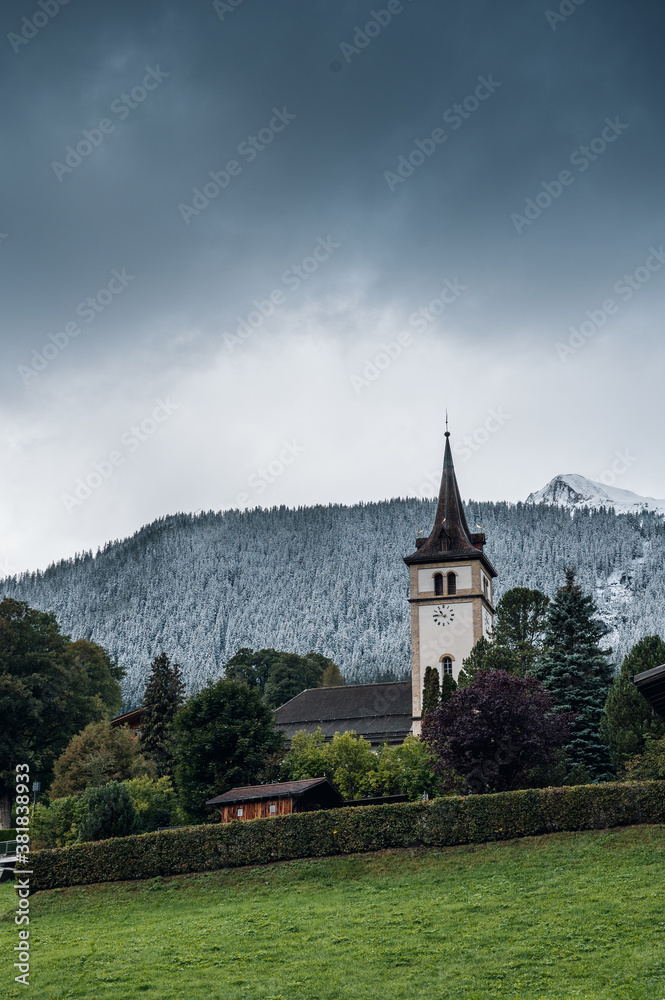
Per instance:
x=540, y=704
x=210, y=584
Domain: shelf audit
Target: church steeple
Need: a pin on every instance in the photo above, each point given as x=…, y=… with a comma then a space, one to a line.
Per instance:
x=450, y=589
x=450, y=536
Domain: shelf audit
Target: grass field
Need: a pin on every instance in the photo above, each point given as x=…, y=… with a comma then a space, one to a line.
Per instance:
x=569, y=915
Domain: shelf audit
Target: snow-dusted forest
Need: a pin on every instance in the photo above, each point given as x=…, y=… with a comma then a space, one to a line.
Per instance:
x=329, y=579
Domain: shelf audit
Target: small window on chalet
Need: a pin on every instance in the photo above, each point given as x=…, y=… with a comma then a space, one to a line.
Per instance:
x=447, y=664
x=438, y=583
x=485, y=584
x=452, y=583
x=273, y=807
x=240, y=811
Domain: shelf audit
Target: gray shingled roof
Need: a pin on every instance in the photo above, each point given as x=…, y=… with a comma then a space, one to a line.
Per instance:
x=376, y=711
x=277, y=790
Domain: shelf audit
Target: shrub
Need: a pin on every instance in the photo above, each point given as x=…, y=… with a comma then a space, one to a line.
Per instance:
x=440, y=822
x=153, y=800
x=109, y=812
x=57, y=824
x=649, y=765
x=406, y=769
x=351, y=764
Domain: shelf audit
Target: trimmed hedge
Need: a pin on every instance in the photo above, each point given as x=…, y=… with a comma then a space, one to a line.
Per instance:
x=441, y=822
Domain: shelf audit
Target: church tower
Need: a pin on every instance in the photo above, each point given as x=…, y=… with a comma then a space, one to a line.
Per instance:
x=450, y=590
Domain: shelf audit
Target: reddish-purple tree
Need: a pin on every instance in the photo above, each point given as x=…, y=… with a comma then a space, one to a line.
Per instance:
x=497, y=732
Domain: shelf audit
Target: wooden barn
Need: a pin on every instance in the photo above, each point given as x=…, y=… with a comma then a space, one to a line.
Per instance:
x=280, y=799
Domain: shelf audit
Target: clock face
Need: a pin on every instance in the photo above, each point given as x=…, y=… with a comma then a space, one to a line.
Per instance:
x=444, y=614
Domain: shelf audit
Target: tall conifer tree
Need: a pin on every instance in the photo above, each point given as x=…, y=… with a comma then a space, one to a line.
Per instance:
x=577, y=672
x=448, y=686
x=431, y=690
x=164, y=694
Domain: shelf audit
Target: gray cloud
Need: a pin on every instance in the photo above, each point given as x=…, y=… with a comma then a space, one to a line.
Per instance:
x=322, y=176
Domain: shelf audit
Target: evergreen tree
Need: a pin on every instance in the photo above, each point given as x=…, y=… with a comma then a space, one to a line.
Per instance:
x=578, y=674
x=109, y=812
x=629, y=720
x=431, y=690
x=448, y=686
x=163, y=697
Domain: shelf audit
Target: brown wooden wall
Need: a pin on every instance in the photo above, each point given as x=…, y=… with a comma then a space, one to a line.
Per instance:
x=256, y=810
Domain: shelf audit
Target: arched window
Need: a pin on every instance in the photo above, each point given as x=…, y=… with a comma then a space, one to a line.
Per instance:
x=447, y=664
x=438, y=583
x=452, y=583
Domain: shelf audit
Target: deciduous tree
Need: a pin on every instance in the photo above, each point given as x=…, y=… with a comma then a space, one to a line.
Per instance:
x=520, y=624
x=99, y=754
x=351, y=764
x=486, y=655
x=50, y=688
x=223, y=737
x=496, y=732
x=280, y=676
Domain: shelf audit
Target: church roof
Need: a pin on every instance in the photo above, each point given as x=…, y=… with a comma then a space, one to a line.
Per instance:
x=379, y=712
x=450, y=537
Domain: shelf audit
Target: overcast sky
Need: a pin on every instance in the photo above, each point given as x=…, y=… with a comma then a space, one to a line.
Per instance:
x=358, y=255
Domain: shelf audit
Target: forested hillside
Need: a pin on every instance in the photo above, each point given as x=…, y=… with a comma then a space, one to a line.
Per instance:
x=329, y=579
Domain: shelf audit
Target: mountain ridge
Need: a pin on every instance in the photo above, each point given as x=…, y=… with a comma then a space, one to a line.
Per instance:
x=330, y=579
x=572, y=490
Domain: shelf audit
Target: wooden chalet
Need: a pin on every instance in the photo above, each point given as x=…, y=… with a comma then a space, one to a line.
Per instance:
x=132, y=719
x=279, y=799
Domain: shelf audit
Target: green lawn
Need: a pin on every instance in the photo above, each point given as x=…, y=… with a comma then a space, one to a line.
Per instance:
x=569, y=915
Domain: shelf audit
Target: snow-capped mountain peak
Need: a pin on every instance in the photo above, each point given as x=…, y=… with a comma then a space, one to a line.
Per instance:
x=576, y=491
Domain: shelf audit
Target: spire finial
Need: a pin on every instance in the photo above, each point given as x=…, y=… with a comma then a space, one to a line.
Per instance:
x=447, y=431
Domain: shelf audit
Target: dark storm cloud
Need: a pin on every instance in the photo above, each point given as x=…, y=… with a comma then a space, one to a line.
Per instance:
x=413, y=143
x=324, y=174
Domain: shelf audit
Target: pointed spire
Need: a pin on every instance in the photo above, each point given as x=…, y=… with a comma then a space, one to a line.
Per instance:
x=450, y=535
